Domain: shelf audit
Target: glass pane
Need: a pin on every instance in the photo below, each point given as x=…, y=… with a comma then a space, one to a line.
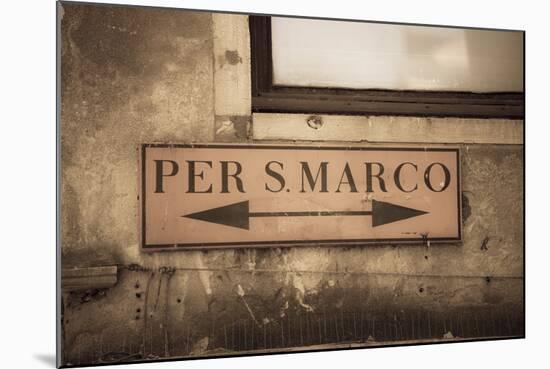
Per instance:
x=321, y=53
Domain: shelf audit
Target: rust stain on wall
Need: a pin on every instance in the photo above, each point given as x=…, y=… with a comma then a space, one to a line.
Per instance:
x=232, y=57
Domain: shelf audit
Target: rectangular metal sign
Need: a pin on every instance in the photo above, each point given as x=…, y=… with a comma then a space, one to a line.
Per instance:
x=214, y=195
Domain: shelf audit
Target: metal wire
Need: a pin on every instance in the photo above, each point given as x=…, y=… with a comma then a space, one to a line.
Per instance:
x=135, y=267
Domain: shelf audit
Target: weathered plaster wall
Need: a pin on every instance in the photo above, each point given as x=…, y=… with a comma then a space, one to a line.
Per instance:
x=141, y=75
x=129, y=76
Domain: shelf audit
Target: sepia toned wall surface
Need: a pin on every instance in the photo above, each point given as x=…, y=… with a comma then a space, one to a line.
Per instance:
x=137, y=75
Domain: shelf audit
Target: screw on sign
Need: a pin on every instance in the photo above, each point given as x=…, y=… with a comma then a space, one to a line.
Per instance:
x=213, y=195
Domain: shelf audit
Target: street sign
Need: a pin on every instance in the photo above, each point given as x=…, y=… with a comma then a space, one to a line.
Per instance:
x=215, y=195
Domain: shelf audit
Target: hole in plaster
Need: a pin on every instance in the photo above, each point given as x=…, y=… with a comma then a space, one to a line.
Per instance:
x=315, y=122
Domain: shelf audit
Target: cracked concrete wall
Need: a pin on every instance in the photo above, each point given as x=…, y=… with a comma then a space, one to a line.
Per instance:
x=135, y=75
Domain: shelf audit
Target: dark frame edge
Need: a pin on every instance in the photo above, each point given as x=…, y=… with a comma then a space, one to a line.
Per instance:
x=58, y=292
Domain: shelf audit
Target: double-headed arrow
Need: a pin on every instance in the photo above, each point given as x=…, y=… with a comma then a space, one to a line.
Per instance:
x=238, y=214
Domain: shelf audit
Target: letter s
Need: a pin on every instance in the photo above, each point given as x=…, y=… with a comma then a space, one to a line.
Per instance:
x=275, y=175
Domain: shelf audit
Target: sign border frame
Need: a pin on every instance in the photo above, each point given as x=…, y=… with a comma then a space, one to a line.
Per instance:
x=296, y=243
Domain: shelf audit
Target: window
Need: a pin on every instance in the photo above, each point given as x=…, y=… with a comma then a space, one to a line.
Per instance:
x=334, y=67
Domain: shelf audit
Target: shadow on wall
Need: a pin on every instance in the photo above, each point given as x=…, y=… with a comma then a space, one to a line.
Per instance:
x=47, y=359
